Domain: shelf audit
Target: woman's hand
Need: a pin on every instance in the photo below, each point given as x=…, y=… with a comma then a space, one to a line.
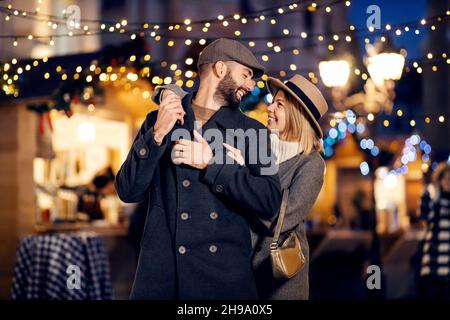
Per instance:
x=234, y=154
x=196, y=154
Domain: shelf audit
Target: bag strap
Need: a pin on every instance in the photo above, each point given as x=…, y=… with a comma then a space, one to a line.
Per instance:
x=280, y=221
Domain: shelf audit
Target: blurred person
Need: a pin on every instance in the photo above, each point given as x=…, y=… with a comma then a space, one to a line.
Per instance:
x=89, y=196
x=434, y=280
x=365, y=213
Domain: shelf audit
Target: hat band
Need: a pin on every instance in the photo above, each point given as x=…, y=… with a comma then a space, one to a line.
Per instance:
x=302, y=96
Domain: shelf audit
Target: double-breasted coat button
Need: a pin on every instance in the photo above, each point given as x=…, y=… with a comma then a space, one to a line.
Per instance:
x=142, y=152
x=212, y=248
x=184, y=216
x=219, y=188
x=186, y=183
x=182, y=249
x=213, y=215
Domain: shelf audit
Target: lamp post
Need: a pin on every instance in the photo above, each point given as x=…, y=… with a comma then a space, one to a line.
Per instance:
x=385, y=66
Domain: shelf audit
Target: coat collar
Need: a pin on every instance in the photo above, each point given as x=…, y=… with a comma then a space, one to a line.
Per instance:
x=225, y=117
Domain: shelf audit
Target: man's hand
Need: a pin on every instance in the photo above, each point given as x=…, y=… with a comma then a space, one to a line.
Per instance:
x=196, y=154
x=170, y=111
x=165, y=93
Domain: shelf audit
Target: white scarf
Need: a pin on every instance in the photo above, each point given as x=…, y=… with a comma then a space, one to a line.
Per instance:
x=283, y=150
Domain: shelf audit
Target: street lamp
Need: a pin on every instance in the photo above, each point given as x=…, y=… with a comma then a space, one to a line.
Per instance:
x=385, y=66
x=334, y=73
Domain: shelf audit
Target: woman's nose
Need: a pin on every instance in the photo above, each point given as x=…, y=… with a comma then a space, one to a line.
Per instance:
x=271, y=107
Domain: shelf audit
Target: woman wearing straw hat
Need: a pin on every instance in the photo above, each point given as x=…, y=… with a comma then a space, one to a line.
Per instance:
x=296, y=142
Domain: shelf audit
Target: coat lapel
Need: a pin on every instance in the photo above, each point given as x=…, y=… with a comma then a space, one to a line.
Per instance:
x=229, y=118
x=189, y=118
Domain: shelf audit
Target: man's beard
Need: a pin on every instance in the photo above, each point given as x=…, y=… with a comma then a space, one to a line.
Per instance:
x=226, y=91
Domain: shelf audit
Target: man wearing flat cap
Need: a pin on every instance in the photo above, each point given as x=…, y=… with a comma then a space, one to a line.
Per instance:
x=196, y=242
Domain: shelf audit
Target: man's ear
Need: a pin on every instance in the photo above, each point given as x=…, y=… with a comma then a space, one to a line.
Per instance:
x=220, y=69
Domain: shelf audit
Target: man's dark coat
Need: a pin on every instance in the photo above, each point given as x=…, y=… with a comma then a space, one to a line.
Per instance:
x=196, y=242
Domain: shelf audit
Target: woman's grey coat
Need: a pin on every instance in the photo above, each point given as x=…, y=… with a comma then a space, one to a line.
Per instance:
x=303, y=175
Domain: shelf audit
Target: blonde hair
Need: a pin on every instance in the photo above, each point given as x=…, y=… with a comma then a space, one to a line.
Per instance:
x=298, y=127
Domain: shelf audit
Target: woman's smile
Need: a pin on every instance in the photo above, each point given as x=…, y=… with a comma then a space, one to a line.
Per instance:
x=272, y=119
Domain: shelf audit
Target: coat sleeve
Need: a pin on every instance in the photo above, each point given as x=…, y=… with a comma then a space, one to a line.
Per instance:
x=250, y=187
x=304, y=189
x=136, y=173
x=303, y=192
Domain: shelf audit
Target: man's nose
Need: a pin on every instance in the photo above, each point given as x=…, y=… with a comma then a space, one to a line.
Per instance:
x=249, y=85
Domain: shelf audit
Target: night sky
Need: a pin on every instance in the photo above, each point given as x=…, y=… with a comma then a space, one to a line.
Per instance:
x=393, y=12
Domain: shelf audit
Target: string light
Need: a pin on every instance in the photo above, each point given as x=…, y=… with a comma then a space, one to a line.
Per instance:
x=123, y=23
x=302, y=35
x=266, y=57
x=277, y=49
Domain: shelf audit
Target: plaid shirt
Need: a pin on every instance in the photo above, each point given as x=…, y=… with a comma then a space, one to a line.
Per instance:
x=47, y=265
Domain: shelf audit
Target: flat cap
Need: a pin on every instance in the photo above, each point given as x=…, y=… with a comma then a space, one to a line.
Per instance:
x=224, y=49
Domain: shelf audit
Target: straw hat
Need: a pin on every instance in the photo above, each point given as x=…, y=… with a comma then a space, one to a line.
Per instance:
x=307, y=94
